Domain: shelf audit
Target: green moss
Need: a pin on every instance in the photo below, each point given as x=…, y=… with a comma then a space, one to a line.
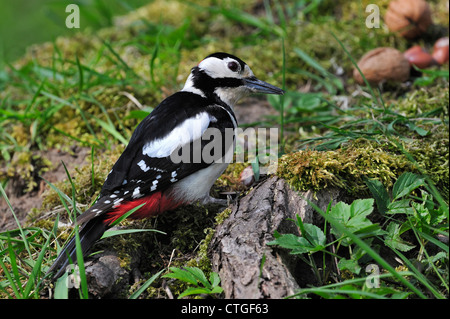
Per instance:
x=346, y=168
x=24, y=170
x=432, y=155
x=420, y=102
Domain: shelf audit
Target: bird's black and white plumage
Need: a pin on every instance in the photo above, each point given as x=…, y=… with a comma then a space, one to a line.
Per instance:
x=146, y=172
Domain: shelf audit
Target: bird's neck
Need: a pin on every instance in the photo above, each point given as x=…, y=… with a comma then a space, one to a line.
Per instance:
x=190, y=87
x=200, y=83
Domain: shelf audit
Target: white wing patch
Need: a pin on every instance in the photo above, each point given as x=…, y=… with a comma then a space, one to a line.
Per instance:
x=143, y=166
x=136, y=193
x=184, y=133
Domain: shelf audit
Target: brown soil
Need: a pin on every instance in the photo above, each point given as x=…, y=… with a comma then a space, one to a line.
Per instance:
x=21, y=203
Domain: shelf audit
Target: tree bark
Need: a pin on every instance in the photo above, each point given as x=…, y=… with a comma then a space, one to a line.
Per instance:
x=247, y=266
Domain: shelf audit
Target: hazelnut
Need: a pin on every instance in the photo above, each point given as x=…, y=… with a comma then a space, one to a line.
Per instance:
x=410, y=18
x=418, y=57
x=440, y=51
x=382, y=64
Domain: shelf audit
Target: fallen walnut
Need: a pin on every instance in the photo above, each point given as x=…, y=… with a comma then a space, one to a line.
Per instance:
x=381, y=65
x=410, y=18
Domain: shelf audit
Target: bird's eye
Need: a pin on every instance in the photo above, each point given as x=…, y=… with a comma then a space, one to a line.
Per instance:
x=233, y=66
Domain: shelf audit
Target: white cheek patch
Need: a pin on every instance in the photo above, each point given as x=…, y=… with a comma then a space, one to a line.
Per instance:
x=191, y=129
x=217, y=68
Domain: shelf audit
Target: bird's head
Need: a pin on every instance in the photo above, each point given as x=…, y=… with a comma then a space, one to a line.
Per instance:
x=227, y=77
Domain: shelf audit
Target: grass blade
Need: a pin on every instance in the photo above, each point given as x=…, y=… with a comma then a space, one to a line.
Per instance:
x=10, y=279
x=14, y=267
x=110, y=233
x=22, y=234
x=80, y=75
x=38, y=264
x=80, y=263
x=112, y=130
x=147, y=284
x=131, y=211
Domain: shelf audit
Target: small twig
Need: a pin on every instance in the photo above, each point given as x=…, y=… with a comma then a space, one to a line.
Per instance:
x=132, y=99
x=333, y=250
x=170, y=260
x=167, y=289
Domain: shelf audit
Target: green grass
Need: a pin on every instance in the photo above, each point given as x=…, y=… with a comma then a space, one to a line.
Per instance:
x=92, y=91
x=47, y=20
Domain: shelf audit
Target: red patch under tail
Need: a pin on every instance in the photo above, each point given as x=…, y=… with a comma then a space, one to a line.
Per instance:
x=155, y=204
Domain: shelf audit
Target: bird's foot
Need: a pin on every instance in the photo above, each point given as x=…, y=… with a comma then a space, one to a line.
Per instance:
x=215, y=201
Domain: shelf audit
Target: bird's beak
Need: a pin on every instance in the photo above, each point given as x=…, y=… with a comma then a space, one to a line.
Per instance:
x=258, y=86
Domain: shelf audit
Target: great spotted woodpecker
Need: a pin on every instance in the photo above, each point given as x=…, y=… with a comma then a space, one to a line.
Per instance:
x=147, y=173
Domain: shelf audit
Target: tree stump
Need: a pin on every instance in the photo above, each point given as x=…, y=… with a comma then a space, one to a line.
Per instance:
x=247, y=266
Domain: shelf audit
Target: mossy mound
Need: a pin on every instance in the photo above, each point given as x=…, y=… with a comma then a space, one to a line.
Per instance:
x=349, y=166
x=346, y=168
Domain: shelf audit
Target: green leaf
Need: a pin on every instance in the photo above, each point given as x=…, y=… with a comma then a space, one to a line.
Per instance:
x=400, y=207
x=196, y=277
x=214, y=279
x=353, y=218
x=182, y=275
x=194, y=291
x=361, y=208
x=393, y=239
x=199, y=275
x=315, y=236
x=417, y=129
x=406, y=183
x=380, y=194
x=349, y=264
x=313, y=239
x=298, y=245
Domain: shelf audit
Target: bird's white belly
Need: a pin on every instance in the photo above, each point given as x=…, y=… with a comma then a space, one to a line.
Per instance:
x=197, y=185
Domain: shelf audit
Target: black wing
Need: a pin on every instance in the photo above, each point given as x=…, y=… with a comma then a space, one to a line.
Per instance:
x=137, y=172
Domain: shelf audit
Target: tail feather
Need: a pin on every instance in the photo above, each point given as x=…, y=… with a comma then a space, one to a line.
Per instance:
x=89, y=234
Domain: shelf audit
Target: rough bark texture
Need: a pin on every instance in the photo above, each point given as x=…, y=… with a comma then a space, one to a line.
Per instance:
x=247, y=266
